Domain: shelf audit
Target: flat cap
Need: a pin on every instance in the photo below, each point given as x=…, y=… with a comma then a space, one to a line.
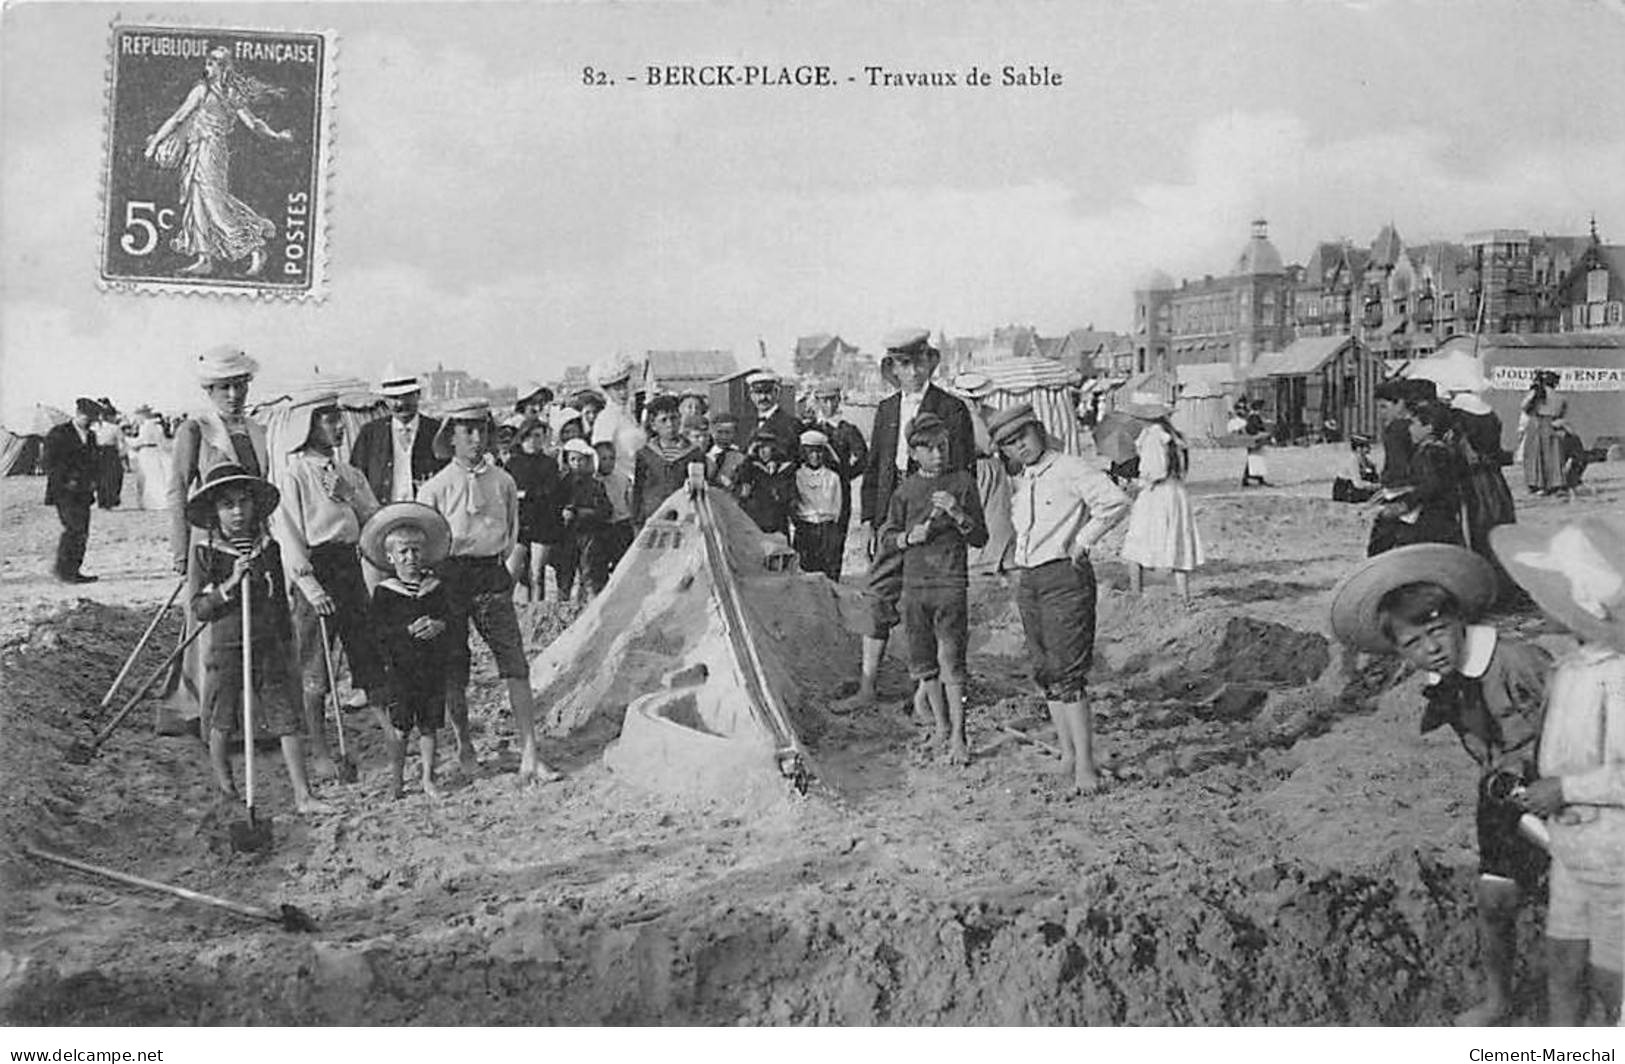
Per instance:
x=906, y=339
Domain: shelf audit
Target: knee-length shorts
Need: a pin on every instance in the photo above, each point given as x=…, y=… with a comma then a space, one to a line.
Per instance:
x=1057, y=605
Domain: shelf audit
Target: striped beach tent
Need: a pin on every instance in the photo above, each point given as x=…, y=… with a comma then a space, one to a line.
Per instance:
x=1051, y=388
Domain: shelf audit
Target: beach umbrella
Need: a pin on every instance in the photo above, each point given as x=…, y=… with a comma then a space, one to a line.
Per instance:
x=1453, y=371
x=1115, y=436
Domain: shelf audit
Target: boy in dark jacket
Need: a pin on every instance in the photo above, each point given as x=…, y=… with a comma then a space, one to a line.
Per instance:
x=661, y=467
x=586, y=513
x=932, y=518
x=766, y=484
x=411, y=620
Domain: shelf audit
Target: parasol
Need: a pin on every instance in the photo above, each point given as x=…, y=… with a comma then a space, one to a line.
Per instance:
x=1115, y=436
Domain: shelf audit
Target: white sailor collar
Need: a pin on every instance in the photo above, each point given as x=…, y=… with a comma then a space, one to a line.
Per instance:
x=1476, y=650
x=426, y=585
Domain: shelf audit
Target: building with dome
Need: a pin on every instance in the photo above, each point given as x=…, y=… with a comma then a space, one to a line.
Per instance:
x=1217, y=320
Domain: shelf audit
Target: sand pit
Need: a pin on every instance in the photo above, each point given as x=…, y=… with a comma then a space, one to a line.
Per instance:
x=1279, y=847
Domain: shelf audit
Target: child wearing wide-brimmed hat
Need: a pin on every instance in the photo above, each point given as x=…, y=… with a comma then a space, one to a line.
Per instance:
x=481, y=503
x=412, y=622
x=236, y=557
x=1421, y=602
x=1575, y=572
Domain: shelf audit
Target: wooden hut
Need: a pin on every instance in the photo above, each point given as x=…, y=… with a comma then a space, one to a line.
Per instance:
x=1316, y=380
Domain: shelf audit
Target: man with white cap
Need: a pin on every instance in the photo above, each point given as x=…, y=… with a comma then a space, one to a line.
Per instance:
x=396, y=454
x=908, y=364
x=616, y=423
x=764, y=387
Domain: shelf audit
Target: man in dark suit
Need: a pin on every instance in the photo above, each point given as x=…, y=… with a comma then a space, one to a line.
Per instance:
x=765, y=391
x=909, y=362
x=71, y=466
x=396, y=454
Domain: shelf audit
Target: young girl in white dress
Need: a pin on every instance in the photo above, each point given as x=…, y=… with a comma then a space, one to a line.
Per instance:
x=1161, y=529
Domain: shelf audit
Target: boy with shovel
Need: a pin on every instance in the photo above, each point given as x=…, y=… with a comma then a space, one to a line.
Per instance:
x=325, y=502
x=237, y=558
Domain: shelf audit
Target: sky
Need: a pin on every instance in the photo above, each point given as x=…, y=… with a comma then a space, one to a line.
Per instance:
x=489, y=211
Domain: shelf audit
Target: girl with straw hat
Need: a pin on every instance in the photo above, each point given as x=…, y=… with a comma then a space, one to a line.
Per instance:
x=1161, y=527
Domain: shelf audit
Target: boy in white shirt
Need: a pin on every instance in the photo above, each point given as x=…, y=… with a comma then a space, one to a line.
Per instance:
x=819, y=536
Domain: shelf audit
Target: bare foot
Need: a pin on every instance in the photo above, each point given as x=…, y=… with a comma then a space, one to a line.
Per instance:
x=322, y=767
x=466, y=759
x=256, y=263
x=201, y=268
x=1088, y=781
x=1066, y=767
x=539, y=773
x=959, y=754
x=852, y=703
x=1485, y=1014
x=433, y=790
x=310, y=806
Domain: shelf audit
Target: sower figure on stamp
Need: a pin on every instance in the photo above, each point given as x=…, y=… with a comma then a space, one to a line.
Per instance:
x=215, y=225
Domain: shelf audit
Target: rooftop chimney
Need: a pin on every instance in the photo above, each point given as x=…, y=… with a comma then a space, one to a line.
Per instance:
x=1261, y=229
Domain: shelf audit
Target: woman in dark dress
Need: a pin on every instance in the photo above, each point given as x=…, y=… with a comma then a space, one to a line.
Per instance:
x=1431, y=510
x=537, y=477
x=1477, y=431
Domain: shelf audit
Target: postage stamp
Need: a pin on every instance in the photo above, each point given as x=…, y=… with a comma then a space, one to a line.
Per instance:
x=217, y=160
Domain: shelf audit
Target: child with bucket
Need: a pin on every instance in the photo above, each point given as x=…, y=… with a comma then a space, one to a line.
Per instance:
x=1421, y=602
x=238, y=558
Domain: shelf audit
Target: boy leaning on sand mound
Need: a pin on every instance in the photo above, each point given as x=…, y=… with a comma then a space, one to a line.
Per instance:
x=1550, y=744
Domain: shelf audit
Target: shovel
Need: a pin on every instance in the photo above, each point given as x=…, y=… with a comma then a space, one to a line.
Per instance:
x=348, y=773
x=250, y=835
x=80, y=752
x=291, y=917
x=141, y=644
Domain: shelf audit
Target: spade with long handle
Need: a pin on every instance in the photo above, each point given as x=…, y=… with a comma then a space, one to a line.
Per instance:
x=141, y=644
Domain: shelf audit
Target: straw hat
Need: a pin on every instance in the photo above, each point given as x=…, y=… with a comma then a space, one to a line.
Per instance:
x=395, y=383
x=1147, y=406
x=224, y=363
x=200, y=503
x=814, y=438
x=436, y=532
x=828, y=388
x=580, y=446
x=1574, y=571
x=1005, y=425
x=619, y=373
x=533, y=390
x=1470, y=403
x=561, y=416
x=1469, y=579
x=973, y=384
x=464, y=410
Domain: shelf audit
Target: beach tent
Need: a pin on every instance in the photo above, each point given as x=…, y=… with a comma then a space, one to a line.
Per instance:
x=14, y=456
x=699, y=669
x=1590, y=367
x=1051, y=388
x=1207, y=391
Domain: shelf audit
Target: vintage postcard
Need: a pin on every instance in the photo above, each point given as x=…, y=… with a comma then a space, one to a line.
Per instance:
x=217, y=148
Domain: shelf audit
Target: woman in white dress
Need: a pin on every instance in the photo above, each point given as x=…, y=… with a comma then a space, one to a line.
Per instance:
x=150, y=461
x=1161, y=528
